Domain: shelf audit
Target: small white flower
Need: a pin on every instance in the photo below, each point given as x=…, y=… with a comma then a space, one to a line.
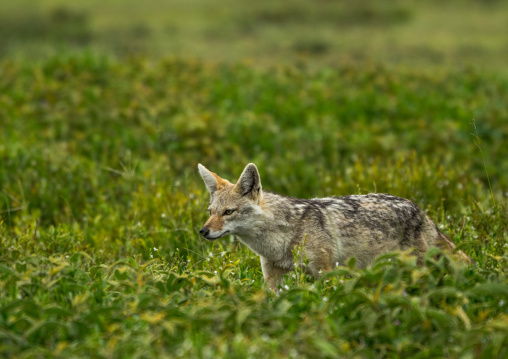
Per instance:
x=163, y=215
x=155, y=249
x=294, y=275
x=151, y=255
x=325, y=299
x=320, y=271
x=286, y=286
x=215, y=272
x=336, y=264
x=208, y=259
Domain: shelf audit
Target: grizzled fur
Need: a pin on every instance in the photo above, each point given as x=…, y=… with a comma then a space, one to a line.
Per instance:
x=332, y=229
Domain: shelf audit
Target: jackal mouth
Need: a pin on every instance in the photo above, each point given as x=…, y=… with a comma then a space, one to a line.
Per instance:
x=220, y=235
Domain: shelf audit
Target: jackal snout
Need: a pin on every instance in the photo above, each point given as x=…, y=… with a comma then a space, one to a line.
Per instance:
x=204, y=232
x=213, y=228
x=208, y=235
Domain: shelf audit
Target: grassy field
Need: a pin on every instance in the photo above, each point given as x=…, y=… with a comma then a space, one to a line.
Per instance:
x=101, y=204
x=101, y=201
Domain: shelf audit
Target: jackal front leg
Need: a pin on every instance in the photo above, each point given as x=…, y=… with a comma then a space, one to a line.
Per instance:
x=272, y=274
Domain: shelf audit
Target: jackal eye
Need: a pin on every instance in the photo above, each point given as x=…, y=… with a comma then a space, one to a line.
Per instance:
x=227, y=212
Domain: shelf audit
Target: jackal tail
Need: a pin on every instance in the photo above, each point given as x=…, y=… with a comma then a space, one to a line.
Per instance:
x=446, y=244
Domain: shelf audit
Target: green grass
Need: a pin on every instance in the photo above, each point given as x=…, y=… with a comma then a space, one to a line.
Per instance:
x=107, y=107
x=101, y=204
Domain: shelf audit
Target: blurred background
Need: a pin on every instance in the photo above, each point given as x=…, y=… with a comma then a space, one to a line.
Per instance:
x=106, y=105
x=426, y=33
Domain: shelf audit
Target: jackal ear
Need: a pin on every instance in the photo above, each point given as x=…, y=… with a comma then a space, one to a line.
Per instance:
x=249, y=182
x=212, y=181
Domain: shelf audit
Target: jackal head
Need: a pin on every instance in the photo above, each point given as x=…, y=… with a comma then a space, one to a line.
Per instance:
x=233, y=207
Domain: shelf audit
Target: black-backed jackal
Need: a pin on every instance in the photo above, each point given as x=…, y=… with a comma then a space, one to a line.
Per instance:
x=332, y=229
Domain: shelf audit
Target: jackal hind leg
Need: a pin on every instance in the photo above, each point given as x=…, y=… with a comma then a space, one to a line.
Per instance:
x=321, y=263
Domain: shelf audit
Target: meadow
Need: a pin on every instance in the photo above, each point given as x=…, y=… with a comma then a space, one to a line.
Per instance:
x=101, y=204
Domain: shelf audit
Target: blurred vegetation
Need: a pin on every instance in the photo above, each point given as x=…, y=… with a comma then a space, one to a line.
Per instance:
x=107, y=107
x=428, y=33
x=81, y=117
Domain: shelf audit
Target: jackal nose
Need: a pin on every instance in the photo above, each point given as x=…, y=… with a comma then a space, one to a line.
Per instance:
x=204, y=232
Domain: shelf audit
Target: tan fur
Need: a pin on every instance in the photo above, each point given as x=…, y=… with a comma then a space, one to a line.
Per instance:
x=215, y=223
x=331, y=230
x=221, y=183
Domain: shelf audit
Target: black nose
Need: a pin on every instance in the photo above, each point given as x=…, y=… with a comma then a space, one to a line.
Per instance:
x=204, y=232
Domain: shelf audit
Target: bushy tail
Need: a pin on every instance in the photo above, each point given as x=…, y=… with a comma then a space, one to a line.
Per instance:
x=446, y=244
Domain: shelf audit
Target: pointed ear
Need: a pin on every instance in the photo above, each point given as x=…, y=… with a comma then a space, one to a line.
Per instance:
x=249, y=183
x=212, y=181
